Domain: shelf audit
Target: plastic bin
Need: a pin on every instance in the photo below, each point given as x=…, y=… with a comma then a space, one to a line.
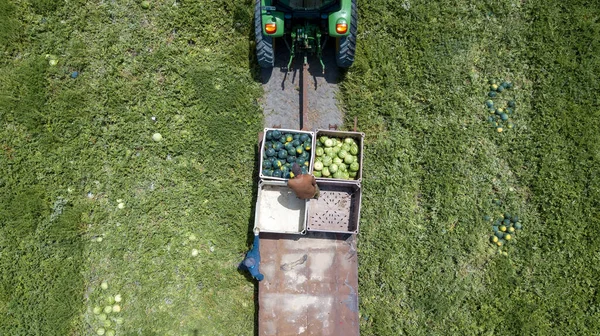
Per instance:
x=337, y=209
x=278, y=209
x=358, y=137
x=262, y=151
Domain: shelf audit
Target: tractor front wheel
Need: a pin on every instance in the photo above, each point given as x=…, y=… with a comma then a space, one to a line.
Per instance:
x=264, y=44
x=347, y=44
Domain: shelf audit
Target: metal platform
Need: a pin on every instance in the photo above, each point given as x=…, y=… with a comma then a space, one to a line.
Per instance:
x=310, y=285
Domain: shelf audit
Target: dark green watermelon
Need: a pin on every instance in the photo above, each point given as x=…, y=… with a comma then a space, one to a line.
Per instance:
x=277, y=173
x=512, y=104
x=277, y=163
x=282, y=154
x=492, y=94
x=276, y=134
x=269, y=135
x=307, y=145
x=291, y=159
x=304, y=137
x=291, y=151
x=296, y=143
x=267, y=164
x=270, y=152
x=267, y=172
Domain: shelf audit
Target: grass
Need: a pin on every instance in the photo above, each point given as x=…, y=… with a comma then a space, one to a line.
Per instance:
x=72, y=148
x=82, y=144
x=434, y=165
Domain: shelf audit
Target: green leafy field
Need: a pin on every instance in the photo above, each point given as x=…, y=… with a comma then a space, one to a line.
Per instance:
x=73, y=149
x=434, y=164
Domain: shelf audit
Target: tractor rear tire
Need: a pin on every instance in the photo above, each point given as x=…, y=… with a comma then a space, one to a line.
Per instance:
x=264, y=44
x=347, y=44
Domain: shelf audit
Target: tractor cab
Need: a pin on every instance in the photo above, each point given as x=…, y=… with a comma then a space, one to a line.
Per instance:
x=305, y=26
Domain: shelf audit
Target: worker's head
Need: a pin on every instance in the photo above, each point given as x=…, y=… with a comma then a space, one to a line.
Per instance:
x=296, y=169
x=259, y=277
x=249, y=262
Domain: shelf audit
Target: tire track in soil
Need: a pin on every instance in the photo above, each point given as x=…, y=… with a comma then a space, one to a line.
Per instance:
x=281, y=100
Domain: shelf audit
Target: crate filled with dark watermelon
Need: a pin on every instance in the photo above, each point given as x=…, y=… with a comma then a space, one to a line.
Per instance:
x=338, y=156
x=281, y=148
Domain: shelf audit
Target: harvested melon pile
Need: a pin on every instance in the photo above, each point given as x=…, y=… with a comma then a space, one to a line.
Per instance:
x=505, y=228
x=108, y=316
x=337, y=158
x=281, y=150
x=501, y=110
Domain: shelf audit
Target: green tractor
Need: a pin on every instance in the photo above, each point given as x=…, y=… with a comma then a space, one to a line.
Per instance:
x=305, y=26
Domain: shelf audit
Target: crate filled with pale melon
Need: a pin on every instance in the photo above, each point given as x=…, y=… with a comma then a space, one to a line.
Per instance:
x=338, y=155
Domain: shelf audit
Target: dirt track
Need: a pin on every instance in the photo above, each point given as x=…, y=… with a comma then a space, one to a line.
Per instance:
x=281, y=101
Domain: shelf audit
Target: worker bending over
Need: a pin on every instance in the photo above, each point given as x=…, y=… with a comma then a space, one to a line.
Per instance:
x=304, y=185
x=252, y=260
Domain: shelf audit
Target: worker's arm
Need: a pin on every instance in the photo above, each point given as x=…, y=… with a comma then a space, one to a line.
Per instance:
x=314, y=180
